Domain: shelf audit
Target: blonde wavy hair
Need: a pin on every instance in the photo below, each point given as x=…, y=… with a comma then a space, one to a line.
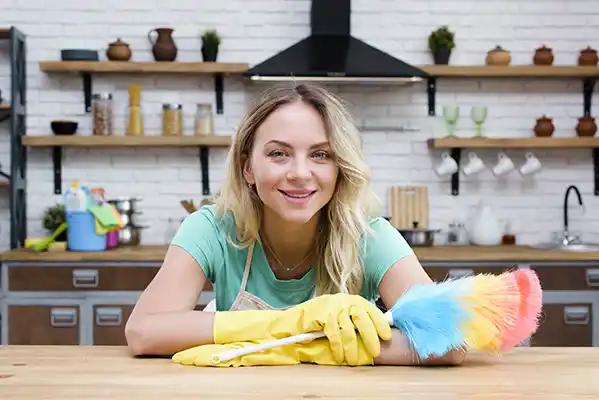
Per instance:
x=344, y=220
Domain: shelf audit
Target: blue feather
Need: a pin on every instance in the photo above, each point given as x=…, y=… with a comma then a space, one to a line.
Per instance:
x=430, y=316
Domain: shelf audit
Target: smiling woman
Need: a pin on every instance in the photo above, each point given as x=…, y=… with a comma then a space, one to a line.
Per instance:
x=294, y=244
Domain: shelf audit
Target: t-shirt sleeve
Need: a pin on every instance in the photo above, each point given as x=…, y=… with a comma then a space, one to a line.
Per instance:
x=382, y=248
x=200, y=235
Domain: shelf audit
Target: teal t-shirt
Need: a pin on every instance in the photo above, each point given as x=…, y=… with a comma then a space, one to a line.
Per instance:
x=204, y=235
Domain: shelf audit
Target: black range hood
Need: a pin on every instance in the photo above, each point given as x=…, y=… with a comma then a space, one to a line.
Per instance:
x=331, y=54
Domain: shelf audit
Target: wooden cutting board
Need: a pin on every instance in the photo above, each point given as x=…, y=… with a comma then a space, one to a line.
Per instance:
x=408, y=204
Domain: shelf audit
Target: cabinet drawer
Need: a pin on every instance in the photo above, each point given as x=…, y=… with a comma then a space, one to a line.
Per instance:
x=33, y=278
x=70, y=278
x=439, y=274
x=568, y=278
x=53, y=325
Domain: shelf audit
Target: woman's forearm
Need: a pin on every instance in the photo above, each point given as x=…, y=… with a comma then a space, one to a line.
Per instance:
x=397, y=351
x=164, y=334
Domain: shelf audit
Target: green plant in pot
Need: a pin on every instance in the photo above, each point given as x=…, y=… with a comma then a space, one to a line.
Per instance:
x=441, y=42
x=210, y=44
x=52, y=218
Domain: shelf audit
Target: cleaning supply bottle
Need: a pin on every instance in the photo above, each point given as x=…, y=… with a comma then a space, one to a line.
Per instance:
x=75, y=198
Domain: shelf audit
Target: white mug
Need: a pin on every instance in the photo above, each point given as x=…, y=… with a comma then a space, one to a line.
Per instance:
x=447, y=166
x=474, y=165
x=504, y=165
x=531, y=165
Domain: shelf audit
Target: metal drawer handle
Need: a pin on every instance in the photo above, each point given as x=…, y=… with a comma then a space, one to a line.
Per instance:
x=109, y=316
x=86, y=278
x=593, y=277
x=63, y=317
x=576, y=315
x=459, y=273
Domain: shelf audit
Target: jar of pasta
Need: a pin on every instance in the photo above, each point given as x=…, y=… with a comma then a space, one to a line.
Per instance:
x=203, y=123
x=172, y=119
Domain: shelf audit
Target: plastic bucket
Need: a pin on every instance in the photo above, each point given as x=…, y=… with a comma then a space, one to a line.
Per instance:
x=81, y=232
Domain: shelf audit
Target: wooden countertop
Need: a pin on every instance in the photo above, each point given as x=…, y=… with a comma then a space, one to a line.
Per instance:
x=87, y=372
x=425, y=254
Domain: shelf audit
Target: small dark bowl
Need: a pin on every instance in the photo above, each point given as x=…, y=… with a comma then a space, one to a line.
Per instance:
x=64, y=127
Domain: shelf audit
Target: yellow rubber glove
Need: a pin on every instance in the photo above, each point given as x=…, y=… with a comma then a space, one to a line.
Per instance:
x=317, y=351
x=337, y=315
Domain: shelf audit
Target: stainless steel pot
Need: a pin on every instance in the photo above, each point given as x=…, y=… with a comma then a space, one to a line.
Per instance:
x=419, y=237
x=130, y=219
x=130, y=235
x=126, y=205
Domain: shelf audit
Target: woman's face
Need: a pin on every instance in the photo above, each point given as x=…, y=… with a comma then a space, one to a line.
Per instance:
x=292, y=164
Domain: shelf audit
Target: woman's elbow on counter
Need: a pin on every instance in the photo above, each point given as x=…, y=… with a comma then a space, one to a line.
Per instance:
x=135, y=337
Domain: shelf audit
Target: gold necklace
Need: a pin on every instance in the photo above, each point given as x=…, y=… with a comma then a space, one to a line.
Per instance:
x=279, y=261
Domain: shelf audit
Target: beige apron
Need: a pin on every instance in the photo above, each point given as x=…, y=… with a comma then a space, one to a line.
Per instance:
x=245, y=300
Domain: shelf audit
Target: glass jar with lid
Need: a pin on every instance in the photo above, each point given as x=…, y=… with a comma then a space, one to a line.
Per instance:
x=102, y=114
x=204, y=124
x=172, y=119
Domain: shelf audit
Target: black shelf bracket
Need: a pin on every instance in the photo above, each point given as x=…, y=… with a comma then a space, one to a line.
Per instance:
x=456, y=154
x=204, y=166
x=57, y=166
x=218, y=90
x=596, y=170
x=431, y=88
x=588, y=87
x=87, y=91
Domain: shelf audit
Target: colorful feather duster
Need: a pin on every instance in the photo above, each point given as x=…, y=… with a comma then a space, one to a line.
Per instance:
x=485, y=312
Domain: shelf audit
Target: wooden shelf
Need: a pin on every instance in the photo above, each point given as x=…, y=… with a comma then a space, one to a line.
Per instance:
x=57, y=142
x=515, y=143
x=87, y=68
x=137, y=67
x=456, y=145
x=511, y=71
x=588, y=76
x=126, y=141
x=4, y=33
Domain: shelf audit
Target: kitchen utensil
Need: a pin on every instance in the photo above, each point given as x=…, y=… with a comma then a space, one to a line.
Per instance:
x=118, y=51
x=45, y=243
x=419, y=237
x=79, y=55
x=63, y=127
x=126, y=205
x=130, y=235
x=189, y=206
x=409, y=204
x=484, y=312
x=478, y=114
x=451, y=114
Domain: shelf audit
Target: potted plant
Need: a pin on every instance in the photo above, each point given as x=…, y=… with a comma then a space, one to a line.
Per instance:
x=52, y=218
x=441, y=42
x=210, y=43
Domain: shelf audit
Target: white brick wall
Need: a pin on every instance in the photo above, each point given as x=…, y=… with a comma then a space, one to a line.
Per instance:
x=254, y=30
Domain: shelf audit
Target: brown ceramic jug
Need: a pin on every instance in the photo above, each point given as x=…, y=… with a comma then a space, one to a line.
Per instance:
x=163, y=48
x=543, y=56
x=544, y=127
x=586, y=126
x=588, y=57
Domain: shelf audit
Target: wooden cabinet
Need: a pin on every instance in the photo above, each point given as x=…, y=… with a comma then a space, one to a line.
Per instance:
x=69, y=303
x=89, y=302
x=54, y=324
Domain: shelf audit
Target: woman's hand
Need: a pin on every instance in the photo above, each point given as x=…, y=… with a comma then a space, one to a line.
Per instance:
x=340, y=316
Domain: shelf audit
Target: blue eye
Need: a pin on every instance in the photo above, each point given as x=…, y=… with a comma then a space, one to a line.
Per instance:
x=322, y=155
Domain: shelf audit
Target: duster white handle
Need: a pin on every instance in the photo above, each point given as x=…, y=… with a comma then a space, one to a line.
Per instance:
x=231, y=354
